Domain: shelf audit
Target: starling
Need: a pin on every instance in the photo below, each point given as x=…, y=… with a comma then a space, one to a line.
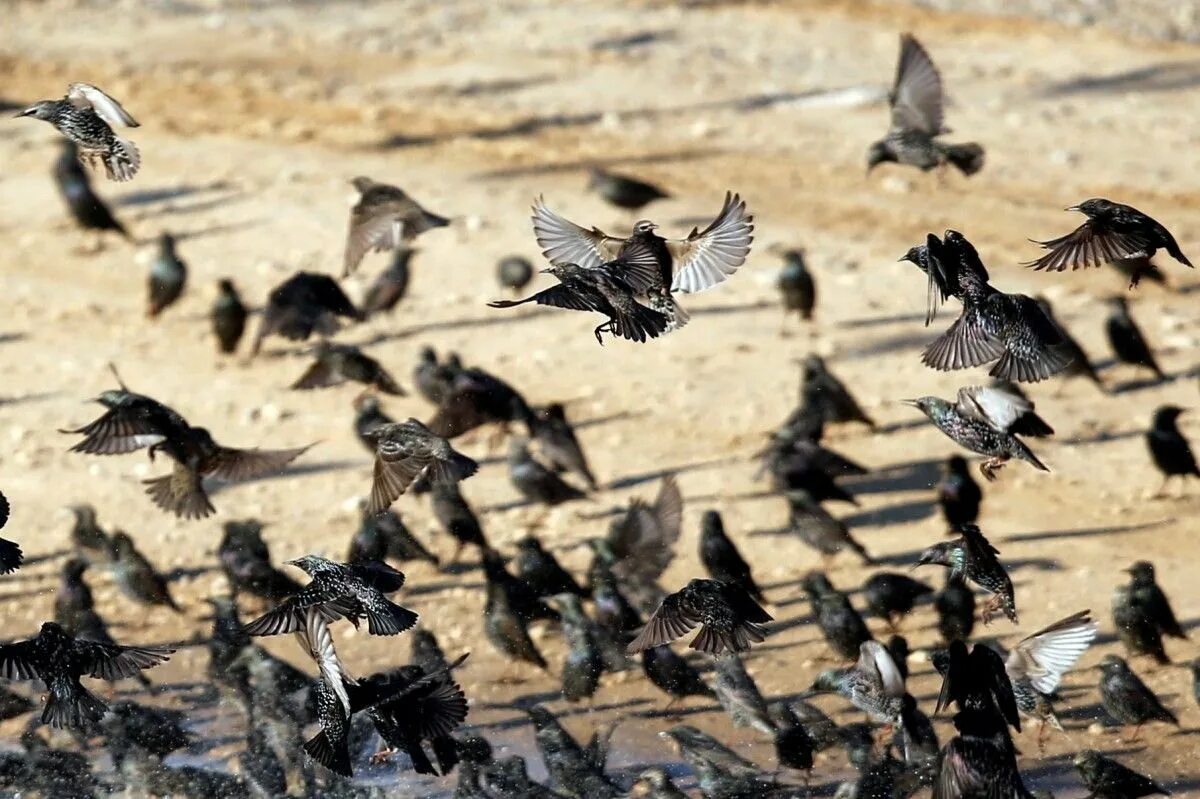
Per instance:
x=340, y=590
x=384, y=218
x=542, y=572
x=1151, y=601
x=338, y=363
x=86, y=207
x=687, y=266
x=514, y=272
x=455, y=516
x=584, y=664
x=168, y=276
x=385, y=535
x=977, y=681
x=640, y=544
x=367, y=416
x=246, y=561
x=389, y=286
x=305, y=303
x=958, y=494
x=981, y=421
x=73, y=599
x=1112, y=231
x=509, y=776
x=739, y=695
x=796, y=286
x=1126, y=698
x=841, y=625
x=721, y=558
x=873, y=685
x=977, y=765
x=10, y=553
x=829, y=394
x=1136, y=628
x=817, y=528
x=891, y=596
x=730, y=617
x=623, y=191
x=407, y=450
x=1170, y=450
x=794, y=462
x=699, y=748
x=655, y=783
x=716, y=782
x=897, y=647
x=535, y=482
x=821, y=729
x=955, y=606
x=972, y=556
x=1105, y=778
x=1036, y=665
x=794, y=747
x=433, y=380
x=522, y=598
x=429, y=713
x=228, y=316
x=673, y=675
x=88, y=540
x=506, y=628
x=613, y=610
x=1080, y=365
x=1011, y=397
x=557, y=442
x=473, y=398
x=573, y=772
x=59, y=660
x=136, y=576
x=916, y=119
x=1126, y=338
x=86, y=116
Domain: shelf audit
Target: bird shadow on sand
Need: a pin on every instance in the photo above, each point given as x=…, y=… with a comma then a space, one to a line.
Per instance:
x=490, y=320
x=913, y=476
x=581, y=165
x=521, y=703
x=213, y=230
x=900, y=513
x=151, y=196
x=741, y=307
x=188, y=572
x=678, y=713
x=877, y=321
x=299, y=470
x=1087, y=532
x=32, y=396
x=900, y=427
x=1139, y=384
x=9, y=338
x=890, y=344
x=632, y=480
x=1167, y=76
x=1104, y=436
x=622, y=416
x=630, y=41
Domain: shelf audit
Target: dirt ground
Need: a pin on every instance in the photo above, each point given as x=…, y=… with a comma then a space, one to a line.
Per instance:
x=255, y=117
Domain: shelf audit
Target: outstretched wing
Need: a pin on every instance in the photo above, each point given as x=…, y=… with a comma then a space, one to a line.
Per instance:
x=233, y=465
x=875, y=660
x=83, y=95
x=994, y=407
x=112, y=662
x=556, y=297
x=706, y=258
x=1048, y=654
x=17, y=661
x=1085, y=246
x=966, y=344
x=672, y=620
x=562, y=241
x=917, y=93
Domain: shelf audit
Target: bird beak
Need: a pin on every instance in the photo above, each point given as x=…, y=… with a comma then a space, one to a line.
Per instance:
x=545, y=271
x=24, y=113
x=902, y=258
x=1071, y=208
x=914, y=403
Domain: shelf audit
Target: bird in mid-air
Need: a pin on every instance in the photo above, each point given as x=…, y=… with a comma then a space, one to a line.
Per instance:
x=10, y=553
x=384, y=218
x=730, y=617
x=916, y=104
x=407, y=450
x=86, y=116
x=972, y=556
x=305, y=303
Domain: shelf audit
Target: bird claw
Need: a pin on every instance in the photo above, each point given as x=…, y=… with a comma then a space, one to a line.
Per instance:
x=382, y=756
x=604, y=328
x=989, y=468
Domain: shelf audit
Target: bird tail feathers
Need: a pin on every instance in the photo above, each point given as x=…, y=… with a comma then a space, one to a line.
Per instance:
x=78, y=711
x=122, y=161
x=322, y=750
x=968, y=158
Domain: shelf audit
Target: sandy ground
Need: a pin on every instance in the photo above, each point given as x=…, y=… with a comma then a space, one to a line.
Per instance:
x=254, y=120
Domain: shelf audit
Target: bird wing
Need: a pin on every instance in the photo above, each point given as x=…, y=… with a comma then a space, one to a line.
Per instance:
x=325, y=292
x=112, y=662
x=1085, y=246
x=398, y=461
x=875, y=660
x=562, y=241
x=85, y=95
x=378, y=225
x=125, y=428
x=16, y=661
x=671, y=620
x=557, y=297
x=964, y=345
x=1048, y=654
x=321, y=374
x=316, y=640
x=706, y=258
x=637, y=265
x=233, y=465
x=993, y=406
x=917, y=93
x=644, y=540
x=957, y=774
x=180, y=492
x=378, y=575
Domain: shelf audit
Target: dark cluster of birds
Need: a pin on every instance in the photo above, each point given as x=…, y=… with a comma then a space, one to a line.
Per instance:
x=620, y=616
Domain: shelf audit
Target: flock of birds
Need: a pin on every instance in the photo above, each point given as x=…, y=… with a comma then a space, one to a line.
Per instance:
x=619, y=618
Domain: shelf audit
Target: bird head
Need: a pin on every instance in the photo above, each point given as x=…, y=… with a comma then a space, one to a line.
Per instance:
x=309, y=563
x=879, y=153
x=1118, y=303
x=928, y=405
x=225, y=285
x=43, y=110
x=826, y=681
x=936, y=555
x=84, y=514
x=1164, y=417
x=644, y=226
x=166, y=242
x=366, y=402
x=1092, y=207
x=362, y=184
x=52, y=631
x=711, y=524
x=122, y=544
x=112, y=397
x=1110, y=664
x=74, y=568
x=916, y=255
x=1142, y=571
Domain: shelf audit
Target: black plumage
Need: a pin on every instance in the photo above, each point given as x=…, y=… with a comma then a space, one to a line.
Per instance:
x=958, y=495
x=73, y=599
x=385, y=536
x=246, y=561
x=305, y=303
x=168, y=277
x=955, y=606
x=338, y=363
x=673, y=675
x=840, y=624
x=1126, y=339
x=584, y=662
x=456, y=517
x=574, y=771
x=1106, y=778
x=536, y=482
x=407, y=450
x=542, y=572
x=88, y=539
x=75, y=187
x=228, y=316
x=794, y=747
x=430, y=706
x=721, y=558
x=159, y=731
x=471, y=397
x=1127, y=699
x=973, y=557
x=136, y=577
x=739, y=695
x=699, y=748
x=513, y=272
x=731, y=620
x=816, y=527
x=1113, y=231
x=558, y=443
x=821, y=389
x=623, y=191
x=891, y=596
x=506, y=628
x=797, y=288
x=1170, y=451
x=10, y=553
x=897, y=647
x=389, y=286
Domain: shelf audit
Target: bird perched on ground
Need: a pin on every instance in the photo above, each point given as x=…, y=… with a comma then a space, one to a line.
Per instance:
x=1036, y=665
x=340, y=590
x=384, y=218
x=86, y=116
x=432, y=379
x=1126, y=338
x=794, y=746
x=389, y=286
x=1127, y=699
x=339, y=363
x=1105, y=778
x=897, y=646
x=891, y=596
x=816, y=527
x=687, y=266
x=584, y=664
x=368, y=415
x=506, y=617
x=73, y=599
x=574, y=770
x=523, y=599
x=407, y=450
x=542, y=572
x=536, y=482
x=840, y=624
x=10, y=553
x=168, y=276
x=558, y=444
x=513, y=272
x=916, y=102
x=455, y=516
x=972, y=556
x=305, y=303
x=955, y=606
x=1142, y=614
x=385, y=535
x=59, y=660
x=829, y=394
x=88, y=210
x=135, y=421
x=981, y=421
x=246, y=561
x=873, y=684
x=721, y=558
x=640, y=544
x=228, y=316
x=1168, y=448
x=673, y=675
x=796, y=286
x=136, y=576
x=623, y=191
x=739, y=695
x=1080, y=365
x=730, y=619
x=958, y=494
x=1112, y=231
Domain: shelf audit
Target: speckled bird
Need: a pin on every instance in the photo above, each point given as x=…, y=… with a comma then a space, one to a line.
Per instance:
x=739, y=695
x=86, y=116
x=454, y=514
x=822, y=389
x=731, y=619
x=1106, y=778
x=673, y=675
x=339, y=363
x=384, y=218
x=816, y=527
x=407, y=450
x=699, y=748
x=583, y=663
x=873, y=684
x=542, y=571
x=955, y=607
x=246, y=561
x=10, y=553
x=841, y=625
x=1127, y=699
x=558, y=443
x=972, y=556
x=1036, y=665
x=574, y=771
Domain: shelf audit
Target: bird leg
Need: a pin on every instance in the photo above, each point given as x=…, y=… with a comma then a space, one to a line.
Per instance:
x=989, y=609
x=382, y=756
x=605, y=328
x=989, y=467
x=1162, y=489
x=1137, y=731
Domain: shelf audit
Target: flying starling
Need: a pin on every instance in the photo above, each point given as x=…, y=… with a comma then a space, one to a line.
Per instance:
x=584, y=664
x=730, y=617
x=958, y=494
x=916, y=119
x=384, y=218
x=1127, y=699
x=1002, y=394
x=574, y=770
x=10, y=553
x=1170, y=450
x=455, y=516
x=246, y=561
x=1105, y=778
x=87, y=116
x=228, y=316
x=955, y=606
x=623, y=191
x=558, y=444
x=338, y=363
x=739, y=694
x=514, y=272
x=1080, y=365
x=407, y=450
x=721, y=558
x=973, y=557
x=536, y=482
x=1126, y=338
x=673, y=675
x=840, y=624
x=136, y=576
x=829, y=394
x=873, y=684
x=1112, y=232
x=1036, y=665
x=797, y=288
x=430, y=707
x=86, y=207
x=389, y=286
x=474, y=397
x=981, y=421
x=891, y=596
x=168, y=276
x=340, y=590
x=640, y=544
x=305, y=303
x=59, y=660
x=541, y=570
x=687, y=266
x=977, y=681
